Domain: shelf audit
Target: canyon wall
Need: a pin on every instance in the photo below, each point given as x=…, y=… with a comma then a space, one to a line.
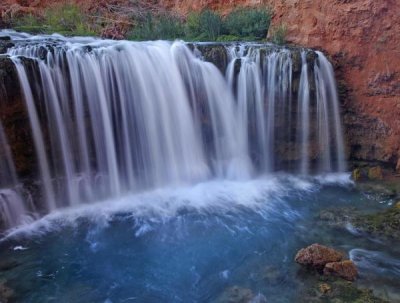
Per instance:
x=362, y=37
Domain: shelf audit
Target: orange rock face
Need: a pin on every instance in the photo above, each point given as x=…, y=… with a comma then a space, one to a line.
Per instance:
x=361, y=36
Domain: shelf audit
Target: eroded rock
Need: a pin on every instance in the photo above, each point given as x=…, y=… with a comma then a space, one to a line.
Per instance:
x=345, y=269
x=317, y=256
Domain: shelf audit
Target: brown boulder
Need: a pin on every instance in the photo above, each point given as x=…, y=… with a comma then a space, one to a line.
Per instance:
x=375, y=173
x=345, y=269
x=316, y=256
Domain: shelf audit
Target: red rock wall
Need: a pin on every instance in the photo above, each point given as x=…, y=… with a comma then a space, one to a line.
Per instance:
x=361, y=36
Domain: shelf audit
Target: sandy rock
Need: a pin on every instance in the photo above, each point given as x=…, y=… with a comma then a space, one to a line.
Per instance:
x=316, y=256
x=345, y=269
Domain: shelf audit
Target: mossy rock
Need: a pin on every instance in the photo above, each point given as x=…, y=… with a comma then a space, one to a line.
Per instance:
x=375, y=173
x=331, y=290
x=383, y=224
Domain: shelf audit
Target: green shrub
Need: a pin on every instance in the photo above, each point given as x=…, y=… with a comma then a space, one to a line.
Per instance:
x=29, y=23
x=228, y=38
x=210, y=25
x=203, y=26
x=248, y=22
x=66, y=19
x=165, y=26
x=192, y=26
x=278, y=35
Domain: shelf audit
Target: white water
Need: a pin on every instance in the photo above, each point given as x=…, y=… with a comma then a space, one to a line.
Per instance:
x=124, y=117
x=13, y=210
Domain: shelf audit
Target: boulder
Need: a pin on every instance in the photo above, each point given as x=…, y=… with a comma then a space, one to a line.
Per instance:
x=375, y=173
x=345, y=269
x=316, y=256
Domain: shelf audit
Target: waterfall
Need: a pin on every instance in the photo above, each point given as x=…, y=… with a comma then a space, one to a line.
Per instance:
x=13, y=211
x=108, y=118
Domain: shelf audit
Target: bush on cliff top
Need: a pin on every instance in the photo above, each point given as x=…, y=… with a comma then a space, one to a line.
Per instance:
x=66, y=19
x=250, y=22
x=151, y=27
x=241, y=24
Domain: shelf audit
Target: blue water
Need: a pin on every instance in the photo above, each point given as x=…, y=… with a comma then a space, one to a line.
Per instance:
x=190, y=244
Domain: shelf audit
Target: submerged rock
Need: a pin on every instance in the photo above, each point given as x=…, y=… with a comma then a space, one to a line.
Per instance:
x=236, y=294
x=334, y=290
x=325, y=288
x=6, y=293
x=317, y=256
x=384, y=224
x=345, y=269
x=336, y=217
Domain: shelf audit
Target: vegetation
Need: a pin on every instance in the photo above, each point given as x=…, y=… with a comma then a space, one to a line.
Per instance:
x=246, y=24
x=240, y=24
x=278, y=35
x=157, y=27
x=251, y=23
x=65, y=19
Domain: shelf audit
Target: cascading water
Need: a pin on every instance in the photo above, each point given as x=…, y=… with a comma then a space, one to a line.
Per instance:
x=13, y=210
x=109, y=117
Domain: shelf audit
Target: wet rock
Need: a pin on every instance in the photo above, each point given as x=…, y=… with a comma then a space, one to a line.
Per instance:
x=216, y=54
x=380, y=190
x=335, y=290
x=375, y=173
x=316, y=256
x=5, y=45
x=236, y=294
x=337, y=217
x=383, y=225
x=272, y=275
x=345, y=269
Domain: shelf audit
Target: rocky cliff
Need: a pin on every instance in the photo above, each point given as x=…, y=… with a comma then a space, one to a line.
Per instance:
x=361, y=36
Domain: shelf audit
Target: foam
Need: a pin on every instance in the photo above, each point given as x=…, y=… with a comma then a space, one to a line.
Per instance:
x=261, y=195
